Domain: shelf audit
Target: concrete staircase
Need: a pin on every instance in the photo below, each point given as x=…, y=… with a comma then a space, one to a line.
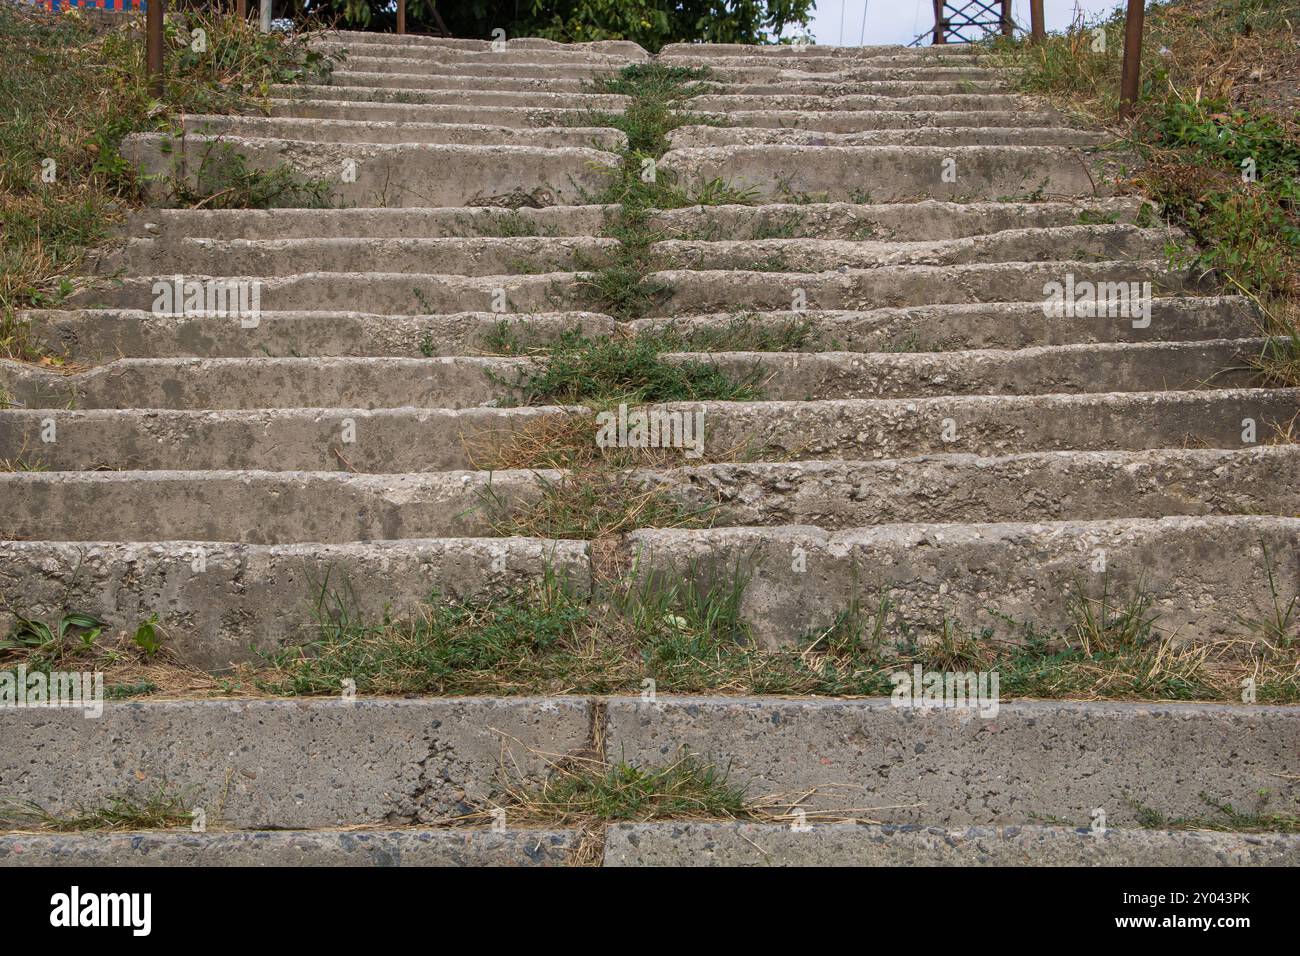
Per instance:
x=946, y=437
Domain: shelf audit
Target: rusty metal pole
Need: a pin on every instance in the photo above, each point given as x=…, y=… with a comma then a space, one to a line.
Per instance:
x=153, y=44
x=401, y=16
x=241, y=9
x=1037, y=28
x=940, y=34
x=1129, y=79
x=1008, y=25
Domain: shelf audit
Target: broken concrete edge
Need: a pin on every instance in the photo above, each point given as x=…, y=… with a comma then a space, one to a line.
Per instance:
x=663, y=843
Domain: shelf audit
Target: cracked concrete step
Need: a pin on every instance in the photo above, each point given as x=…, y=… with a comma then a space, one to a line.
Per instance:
x=369, y=63
x=294, y=764
x=799, y=52
x=1010, y=325
x=1207, y=576
x=393, y=174
x=312, y=130
x=291, y=764
x=442, y=846
x=394, y=440
x=366, y=75
x=505, y=58
x=422, y=440
x=223, y=603
x=451, y=255
x=891, y=173
x=680, y=291
x=808, y=254
x=511, y=116
x=697, y=843
x=469, y=381
x=97, y=336
x=360, y=39
x=930, y=220
x=729, y=102
x=474, y=97
x=691, y=292
x=893, y=117
x=267, y=507
x=839, y=85
x=378, y=223
x=694, y=136
x=831, y=64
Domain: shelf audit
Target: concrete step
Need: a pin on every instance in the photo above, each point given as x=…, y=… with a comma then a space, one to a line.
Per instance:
x=479, y=256
x=892, y=173
x=466, y=382
x=227, y=603
x=363, y=74
x=812, y=84
x=802, y=52
x=475, y=97
x=270, y=507
x=1207, y=576
x=690, y=843
x=505, y=58
x=1009, y=325
x=511, y=116
x=421, y=440
x=689, y=291
x=821, y=63
x=370, y=174
x=312, y=130
x=892, y=116
x=728, y=102
x=363, y=61
x=364, y=40
x=290, y=764
x=97, y=336
x=693, y=136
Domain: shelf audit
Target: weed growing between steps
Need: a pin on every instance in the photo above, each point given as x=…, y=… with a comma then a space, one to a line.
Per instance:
x=160, y=809
x=1227, y=818
x=69, y=93
x=1218, y=130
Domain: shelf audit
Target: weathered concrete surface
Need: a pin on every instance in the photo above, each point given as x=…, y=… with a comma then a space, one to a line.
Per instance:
x=470, y=97
x=102, y=335
x=222, y=603
x=891, y=173
x=694, y=136
x=295, y=439
x=403, y=111
x=977, y=325
x=292, y=764
x=891, y=117
x=375, y=174
x=847, y=844
x=1206, y=576
x=92, y=335
x=952, y=768
x=413, y=847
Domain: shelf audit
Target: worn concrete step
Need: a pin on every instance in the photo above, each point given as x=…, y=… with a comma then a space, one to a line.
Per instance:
x=375, y=174
x=1206, y=576
x=691, y=291
x=474, y=97
x=421, y=440
x=882, y=118
x=728, y=102
x=722, y=71
x=313, y=130
x=1001, y=325
x=364, y=61
x=375, y=223
x=295, y=764
x=398, y=440
x=694, y=843
x=691, y=136
x=476, y=256
x=96, y=336
x=927, y=220
x=362, y=74
x=509, y=57
x=512, y=116
x=224, y=603
x=892, y=222
x=291, y=764
x=364, y=40
x=805, y=254
x=800, y=52
x=466, y=382
x=836, y=86
x=818, y=63
x=440, y=846
x=892, y=173
x=269, y=507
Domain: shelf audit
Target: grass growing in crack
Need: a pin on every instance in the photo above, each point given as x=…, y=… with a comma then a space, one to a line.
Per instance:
x=160, y=809
x=687, y=787
x=1229, y=818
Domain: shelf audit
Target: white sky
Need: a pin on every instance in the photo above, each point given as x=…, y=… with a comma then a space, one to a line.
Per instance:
x=898, y=21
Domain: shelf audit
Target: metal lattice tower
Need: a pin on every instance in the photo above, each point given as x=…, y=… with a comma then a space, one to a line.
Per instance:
x=969, y=21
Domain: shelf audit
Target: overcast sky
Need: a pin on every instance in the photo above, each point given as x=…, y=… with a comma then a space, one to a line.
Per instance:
x=898, y=21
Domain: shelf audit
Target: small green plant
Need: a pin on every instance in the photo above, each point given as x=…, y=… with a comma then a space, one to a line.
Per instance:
x=160, y=809
x=148, y=636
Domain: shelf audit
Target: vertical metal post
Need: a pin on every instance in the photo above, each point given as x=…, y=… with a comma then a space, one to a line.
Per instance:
x=1129, y=80
x=401, y=16
x=1037, y=27
x=264, y=7
x=1008, y=25
x=153, y=41
x=241, y=9
x=940, y=32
